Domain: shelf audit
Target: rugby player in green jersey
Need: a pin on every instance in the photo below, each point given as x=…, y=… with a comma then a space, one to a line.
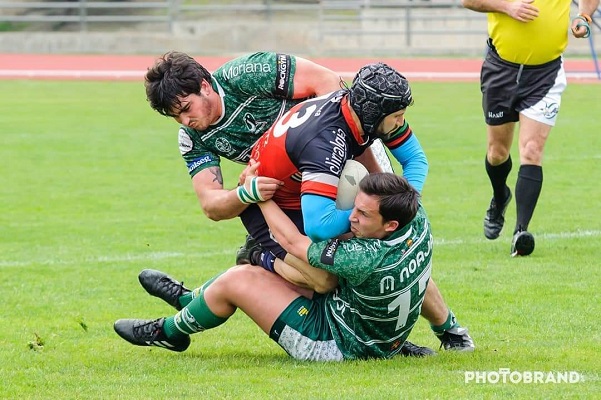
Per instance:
x=383, y=273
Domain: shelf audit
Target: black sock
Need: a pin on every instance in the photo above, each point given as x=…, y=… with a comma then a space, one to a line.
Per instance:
x=498, y=179
x=527, y=190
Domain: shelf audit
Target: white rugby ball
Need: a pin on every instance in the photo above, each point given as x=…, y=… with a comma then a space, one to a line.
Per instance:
x=348, y=185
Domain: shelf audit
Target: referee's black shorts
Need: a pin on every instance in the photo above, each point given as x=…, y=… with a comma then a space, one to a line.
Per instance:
x=509, y=89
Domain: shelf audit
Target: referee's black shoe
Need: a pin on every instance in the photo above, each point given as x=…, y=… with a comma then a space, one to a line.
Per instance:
x=522, y=243
x=495, y=218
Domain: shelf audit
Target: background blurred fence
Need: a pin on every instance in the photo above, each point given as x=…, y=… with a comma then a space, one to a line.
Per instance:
x=312, y=27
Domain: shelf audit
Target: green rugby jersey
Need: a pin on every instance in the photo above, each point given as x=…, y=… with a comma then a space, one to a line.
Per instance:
x=255, y=90
x=382, y=284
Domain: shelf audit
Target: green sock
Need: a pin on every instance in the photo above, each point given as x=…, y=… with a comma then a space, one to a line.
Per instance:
x=185, y=299
x=450, y=323
x=195, y=317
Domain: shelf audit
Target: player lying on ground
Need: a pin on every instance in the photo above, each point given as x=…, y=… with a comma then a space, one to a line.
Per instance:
x=383, y=274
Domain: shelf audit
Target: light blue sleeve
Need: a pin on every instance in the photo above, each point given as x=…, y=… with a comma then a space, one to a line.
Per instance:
x=412, y=158
x=321, y=219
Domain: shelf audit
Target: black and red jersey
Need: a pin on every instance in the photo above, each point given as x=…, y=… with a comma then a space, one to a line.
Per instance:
x=308, y=147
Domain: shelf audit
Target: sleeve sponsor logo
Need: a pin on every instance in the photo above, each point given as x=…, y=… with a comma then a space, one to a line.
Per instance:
x=327, y=256
x=185, y=142
x=245, y=68
x=362, y=246
x=283, y=75
x=192, y=165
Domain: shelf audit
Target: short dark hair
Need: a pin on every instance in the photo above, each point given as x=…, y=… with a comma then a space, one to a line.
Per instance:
x=399, y=201
x=173, y=74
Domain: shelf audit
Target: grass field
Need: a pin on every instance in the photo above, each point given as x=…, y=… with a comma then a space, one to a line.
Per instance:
x=94, y=190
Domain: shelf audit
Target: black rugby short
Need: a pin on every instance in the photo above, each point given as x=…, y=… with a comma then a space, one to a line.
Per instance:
x=509, y=88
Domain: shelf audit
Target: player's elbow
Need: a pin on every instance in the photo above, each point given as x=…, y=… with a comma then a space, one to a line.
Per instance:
x=215, y=214
x=214, y=217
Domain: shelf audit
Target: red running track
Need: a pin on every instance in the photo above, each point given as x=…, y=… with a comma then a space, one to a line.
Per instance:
x=119, y=67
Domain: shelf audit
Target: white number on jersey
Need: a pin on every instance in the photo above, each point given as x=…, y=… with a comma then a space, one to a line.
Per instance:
x=403, y=301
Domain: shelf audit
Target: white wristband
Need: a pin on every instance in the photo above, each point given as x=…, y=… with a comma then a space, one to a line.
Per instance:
x=252, y=195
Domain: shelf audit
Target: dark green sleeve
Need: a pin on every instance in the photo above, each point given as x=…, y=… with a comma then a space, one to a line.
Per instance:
x=353, y=259
x=194, y=153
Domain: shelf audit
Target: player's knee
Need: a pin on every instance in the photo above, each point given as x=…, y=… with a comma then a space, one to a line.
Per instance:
x=497, y=155
x=236, y=275
x=531, y=153
x=243, y=276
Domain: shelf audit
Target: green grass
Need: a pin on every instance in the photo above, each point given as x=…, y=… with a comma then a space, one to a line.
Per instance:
x=94, y=190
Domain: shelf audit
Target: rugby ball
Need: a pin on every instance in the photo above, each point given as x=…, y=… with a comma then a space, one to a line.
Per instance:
x=348, y=185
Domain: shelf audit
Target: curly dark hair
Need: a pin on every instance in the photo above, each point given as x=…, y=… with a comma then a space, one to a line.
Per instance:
x=173, y=75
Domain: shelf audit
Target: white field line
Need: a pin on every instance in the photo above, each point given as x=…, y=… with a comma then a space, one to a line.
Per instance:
x=175, y=255
x=118, y=259
x=551, y=237
x=129, y=74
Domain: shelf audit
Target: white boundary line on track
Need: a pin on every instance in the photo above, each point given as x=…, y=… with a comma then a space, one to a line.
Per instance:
x=128, y=74
x=166, y=255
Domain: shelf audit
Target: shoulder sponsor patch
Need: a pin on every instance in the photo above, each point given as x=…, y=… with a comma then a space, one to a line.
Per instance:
x=185, y=142
x=282, y=78
x=327, y=255
x=192, y=165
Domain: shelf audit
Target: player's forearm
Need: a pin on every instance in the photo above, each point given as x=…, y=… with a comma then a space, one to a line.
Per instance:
x=284, y=230
x=216, y=202
x=219, y=204
x=588, y=7
x=485, y=6
x=314, y=278
x=413, y=159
